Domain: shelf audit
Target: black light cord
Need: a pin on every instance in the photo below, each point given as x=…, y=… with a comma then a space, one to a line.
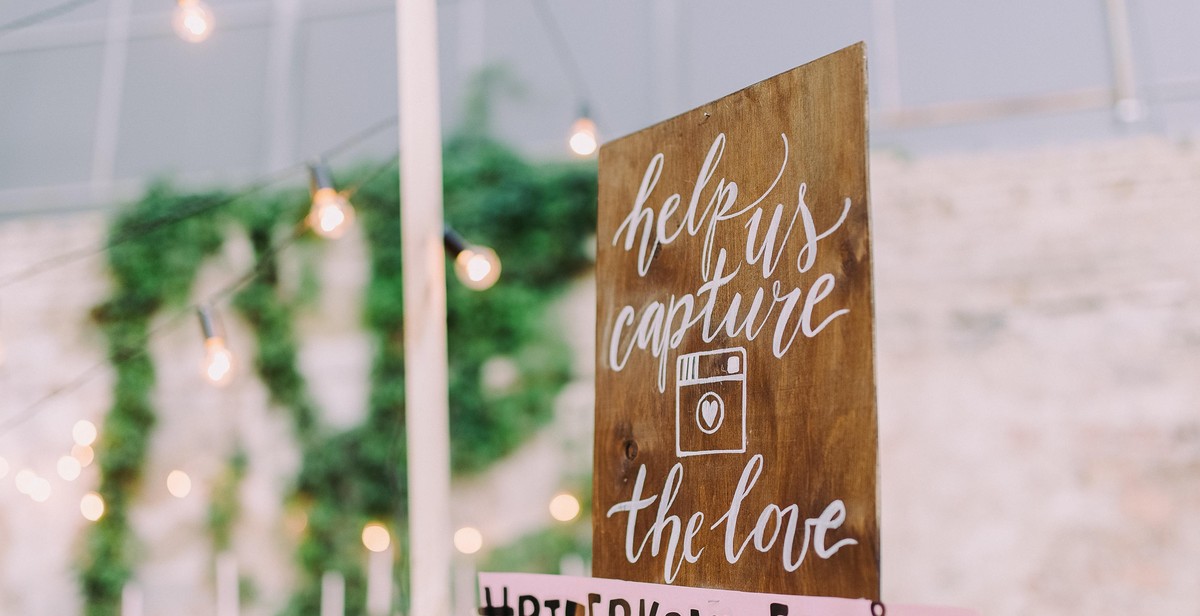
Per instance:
x=260, y=266
x=45, y=14
x=30, y=411
x=563, y=51
x=143, y=229
x=199, y=208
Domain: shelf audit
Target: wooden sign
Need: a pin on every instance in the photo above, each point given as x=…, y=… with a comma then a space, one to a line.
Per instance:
x=735, y=391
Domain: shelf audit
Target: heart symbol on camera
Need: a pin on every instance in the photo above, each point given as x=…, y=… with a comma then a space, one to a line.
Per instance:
x=708, y=412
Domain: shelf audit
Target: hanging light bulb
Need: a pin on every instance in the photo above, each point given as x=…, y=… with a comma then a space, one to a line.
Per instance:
x=69, y=468
x=91, y=506
x=468, y=540
x=583, y=139
x=193, y=21
x=331, y=213
x=40, y=490
x=84, y=432
x=25, y=480
x=179, y=484
x=375, y=537
x=218, y=360
x=564, y=507
x=84, y=453
x=477, y=267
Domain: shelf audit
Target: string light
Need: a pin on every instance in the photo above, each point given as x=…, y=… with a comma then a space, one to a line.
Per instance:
x=179, y=484
x=218, y=360
x=25, y=480
x=468, y=540
x=477, y=267
x=331, y=213
x=375, y=537
x=91, y=506
x=84, y=433
x=193, y=21
x=98, y=368
x=564, y=507
x=39, y=490
x=69, y=468
x=45, y=14
x=200, y=207
x=583, y=139
x=84, y=453
x=295, y=521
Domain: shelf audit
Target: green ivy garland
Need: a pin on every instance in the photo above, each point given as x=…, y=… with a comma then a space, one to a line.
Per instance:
x=146, y=279
x=537, y=217
x=270, y=315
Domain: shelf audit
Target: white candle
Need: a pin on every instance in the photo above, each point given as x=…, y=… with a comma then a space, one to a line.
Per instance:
x=227, y=585
x=379, y=583
x=464, y=587
x=131, y=600
x=572, y=564
x=333, y=594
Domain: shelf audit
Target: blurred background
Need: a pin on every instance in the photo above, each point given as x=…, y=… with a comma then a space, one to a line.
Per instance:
x=1034, y=179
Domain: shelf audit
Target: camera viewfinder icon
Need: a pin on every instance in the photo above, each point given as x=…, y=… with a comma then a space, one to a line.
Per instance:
x=710, y=402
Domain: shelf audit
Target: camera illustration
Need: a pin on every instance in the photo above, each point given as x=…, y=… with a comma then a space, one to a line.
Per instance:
x=710, y=402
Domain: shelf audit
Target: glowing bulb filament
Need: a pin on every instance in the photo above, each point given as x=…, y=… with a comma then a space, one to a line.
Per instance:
x=583, y=139
x=477, y=267
x=330, y=213
x=218, y=361
x=193, y=21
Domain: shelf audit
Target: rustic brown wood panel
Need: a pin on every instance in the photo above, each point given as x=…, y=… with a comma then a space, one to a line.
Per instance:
x=699, y=404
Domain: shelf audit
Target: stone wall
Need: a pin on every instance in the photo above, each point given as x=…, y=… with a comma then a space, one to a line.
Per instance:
x=1039, y=396
x=1039, y=354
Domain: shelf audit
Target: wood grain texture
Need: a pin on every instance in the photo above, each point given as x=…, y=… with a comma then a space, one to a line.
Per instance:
x=809, y=407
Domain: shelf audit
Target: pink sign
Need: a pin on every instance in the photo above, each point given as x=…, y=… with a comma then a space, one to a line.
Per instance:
x=527, y=594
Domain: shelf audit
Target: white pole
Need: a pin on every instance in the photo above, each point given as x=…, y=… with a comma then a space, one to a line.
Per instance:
x=667, y=68
x=426, y=395
x=281, y=67
x=1129, y=107
x=572, y=564
x=333, y=594
x=464, y=586
x=471, y=34
x=108, y=107
x=379, y=582
x=887, y=50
